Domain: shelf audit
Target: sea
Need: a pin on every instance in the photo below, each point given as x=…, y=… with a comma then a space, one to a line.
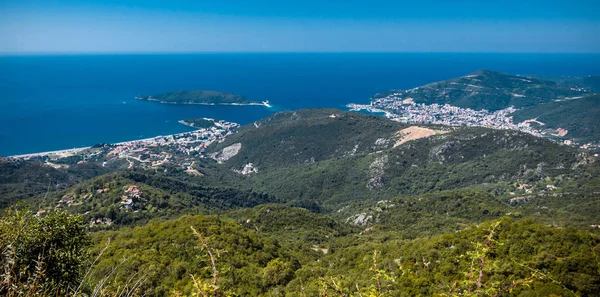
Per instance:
x=68, y=101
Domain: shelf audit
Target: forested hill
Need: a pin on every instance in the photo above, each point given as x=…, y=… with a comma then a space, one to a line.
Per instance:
x=590, y=82
x=306, y=157
x=580, y=117
x=135, y=197
x=307, y=136
x=21, y=180
x=490, y=90
x=199, y=97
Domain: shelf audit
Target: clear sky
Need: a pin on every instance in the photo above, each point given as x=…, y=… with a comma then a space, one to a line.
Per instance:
x=148, y=26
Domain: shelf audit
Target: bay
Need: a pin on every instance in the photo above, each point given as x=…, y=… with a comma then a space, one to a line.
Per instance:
x=65, y=101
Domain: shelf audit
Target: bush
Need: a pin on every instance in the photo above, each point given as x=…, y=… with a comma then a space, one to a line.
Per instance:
x=41, y=255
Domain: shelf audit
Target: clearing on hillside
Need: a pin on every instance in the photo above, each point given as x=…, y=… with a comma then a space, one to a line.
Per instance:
x=415, y=132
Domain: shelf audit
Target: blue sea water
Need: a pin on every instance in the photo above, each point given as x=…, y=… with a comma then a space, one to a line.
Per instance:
x=59, y=102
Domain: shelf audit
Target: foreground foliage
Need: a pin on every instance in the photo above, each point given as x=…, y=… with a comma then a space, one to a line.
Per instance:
x=207, y=255
x=41, y=255
x=166, y=255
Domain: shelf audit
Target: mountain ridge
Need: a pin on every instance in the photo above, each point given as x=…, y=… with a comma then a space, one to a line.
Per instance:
x=490, y=90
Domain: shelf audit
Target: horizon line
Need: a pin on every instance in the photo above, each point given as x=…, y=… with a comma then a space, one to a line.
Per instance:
x=17, y=54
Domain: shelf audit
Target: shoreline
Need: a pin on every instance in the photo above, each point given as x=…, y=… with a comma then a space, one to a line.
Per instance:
x=78, y=149
x=56, y=152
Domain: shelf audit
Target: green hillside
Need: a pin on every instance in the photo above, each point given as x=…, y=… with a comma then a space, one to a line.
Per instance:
x=307, y=136
x=135, y=197
x=167, y=253
x=21, y=180
x=581, y=117
x=499, y=258
x=489, y=90
x=315, y=169
x=590, y=82
x=291, y=224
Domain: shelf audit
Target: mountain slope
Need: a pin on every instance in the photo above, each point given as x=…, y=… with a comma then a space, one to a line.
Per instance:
x=537, y=260
x=499, y=258
x=581, y=117
x=167, y=254
x=489, y=90
x=321, y=168
x=306, y=136
x=291, y=224
x=133, y=197
x=21, y=180
x=455, y=160
x=590, y=82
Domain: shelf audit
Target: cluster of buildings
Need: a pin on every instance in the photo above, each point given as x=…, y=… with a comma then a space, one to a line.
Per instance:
x=65, y=201
x=157, y=151
x=100, y=222
x=132, y=195
x=68, y=200
x=407, y=111
x=178, y=150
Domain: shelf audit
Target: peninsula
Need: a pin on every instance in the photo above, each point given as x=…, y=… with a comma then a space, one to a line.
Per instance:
x=565, y=111
x=203, y=97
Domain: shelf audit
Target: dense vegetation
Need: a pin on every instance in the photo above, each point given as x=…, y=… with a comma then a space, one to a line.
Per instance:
x=308, y=136
x=199, y=97
x=590, y=82
x=499, y=258
x=291, y=224
x=105, y=198
x=20, y=180
x=337, y=208
x=579, y=116
x=196, y=255
x=166, y=254
x=312, y=169
x=41, y=255
x=491, y=90
x=199, y=123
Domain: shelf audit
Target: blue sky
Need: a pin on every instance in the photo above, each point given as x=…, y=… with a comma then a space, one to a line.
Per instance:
x=30, y=27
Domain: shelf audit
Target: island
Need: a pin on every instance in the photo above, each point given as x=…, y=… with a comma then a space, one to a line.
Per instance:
x=202, y=97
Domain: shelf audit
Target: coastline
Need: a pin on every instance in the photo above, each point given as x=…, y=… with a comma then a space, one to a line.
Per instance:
x=57, y=152
x=66, y=152
x=72, y=151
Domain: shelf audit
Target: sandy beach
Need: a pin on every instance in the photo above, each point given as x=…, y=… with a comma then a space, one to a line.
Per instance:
x=58, y=152
x=70, y=152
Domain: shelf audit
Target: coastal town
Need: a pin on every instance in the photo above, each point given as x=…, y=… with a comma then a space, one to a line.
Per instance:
x=179, y=150
x=397, y=107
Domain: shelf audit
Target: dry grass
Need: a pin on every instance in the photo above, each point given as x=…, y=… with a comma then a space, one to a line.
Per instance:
x=414, y=133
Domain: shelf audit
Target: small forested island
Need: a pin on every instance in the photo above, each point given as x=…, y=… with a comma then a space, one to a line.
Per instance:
x=203, y=97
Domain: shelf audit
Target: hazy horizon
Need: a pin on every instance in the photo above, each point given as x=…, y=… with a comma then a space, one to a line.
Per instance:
x=124, y=53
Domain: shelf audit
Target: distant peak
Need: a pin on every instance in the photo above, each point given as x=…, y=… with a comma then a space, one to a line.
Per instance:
x=486, y=72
